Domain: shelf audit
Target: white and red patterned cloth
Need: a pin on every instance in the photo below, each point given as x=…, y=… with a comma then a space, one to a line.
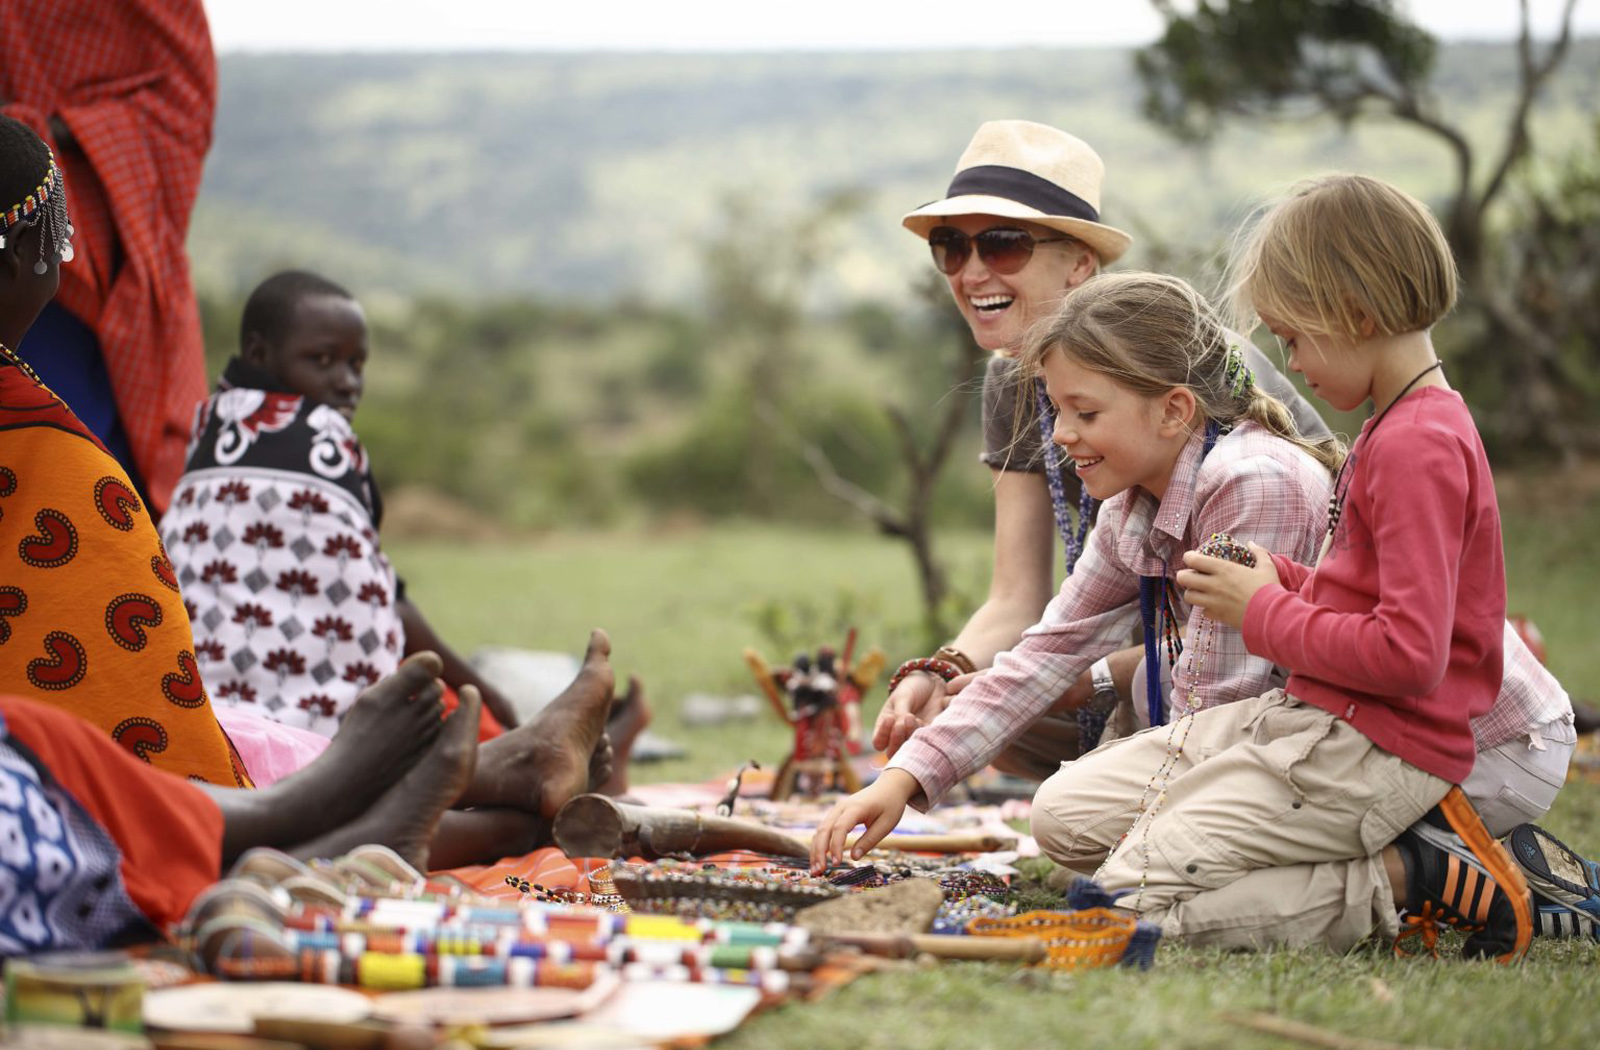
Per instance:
x=273, y=532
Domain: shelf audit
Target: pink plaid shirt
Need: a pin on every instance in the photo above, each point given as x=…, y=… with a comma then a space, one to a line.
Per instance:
x=1529, y=697
x=1253, y=485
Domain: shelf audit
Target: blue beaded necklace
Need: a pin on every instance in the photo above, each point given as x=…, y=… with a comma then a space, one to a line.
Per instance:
x=1091, y=723
x=1072, y=535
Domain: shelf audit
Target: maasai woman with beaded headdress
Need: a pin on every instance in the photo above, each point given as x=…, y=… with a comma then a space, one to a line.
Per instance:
x=90, y=615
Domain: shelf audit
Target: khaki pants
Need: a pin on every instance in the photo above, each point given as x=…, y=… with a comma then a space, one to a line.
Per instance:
x=1274, y=816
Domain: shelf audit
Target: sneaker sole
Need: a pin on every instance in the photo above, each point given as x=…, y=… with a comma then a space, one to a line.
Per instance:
x=1494, y=861
x=1557, y=873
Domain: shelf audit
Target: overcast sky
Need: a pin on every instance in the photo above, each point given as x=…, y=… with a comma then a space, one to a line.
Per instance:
x=384, y=25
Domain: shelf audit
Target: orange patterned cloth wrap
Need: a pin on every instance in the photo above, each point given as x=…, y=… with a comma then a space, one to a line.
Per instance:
x=90, y=616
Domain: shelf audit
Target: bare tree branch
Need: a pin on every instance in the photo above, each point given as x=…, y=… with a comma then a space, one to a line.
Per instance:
x=1534, y=75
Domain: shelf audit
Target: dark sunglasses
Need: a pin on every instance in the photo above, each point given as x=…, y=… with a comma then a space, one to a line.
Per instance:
x=1003, y=249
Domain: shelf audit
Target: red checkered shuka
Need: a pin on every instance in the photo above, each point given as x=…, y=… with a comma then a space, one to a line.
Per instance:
x=135, y=82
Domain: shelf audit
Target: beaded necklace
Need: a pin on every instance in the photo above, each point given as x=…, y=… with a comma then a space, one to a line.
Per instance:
x=27, y=369
x=1220, y=545
x=1336, y=497
x=1091, y=721
x=1072, y=536
x=1157, y=611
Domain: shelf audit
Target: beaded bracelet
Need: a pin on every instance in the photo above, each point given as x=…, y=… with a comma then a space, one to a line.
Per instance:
x=957, y=657
x=932, y=664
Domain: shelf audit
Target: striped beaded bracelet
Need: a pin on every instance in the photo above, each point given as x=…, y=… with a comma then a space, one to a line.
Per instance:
x=932, y=664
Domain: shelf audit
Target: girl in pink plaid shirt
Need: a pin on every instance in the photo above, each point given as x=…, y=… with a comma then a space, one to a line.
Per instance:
x=1164, y=423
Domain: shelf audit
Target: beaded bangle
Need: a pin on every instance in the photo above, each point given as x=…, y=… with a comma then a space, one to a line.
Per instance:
x=957, y=657
x=932, y=664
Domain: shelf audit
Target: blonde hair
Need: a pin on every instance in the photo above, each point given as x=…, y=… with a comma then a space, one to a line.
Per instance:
x=1150, y=333
x=1341, y=253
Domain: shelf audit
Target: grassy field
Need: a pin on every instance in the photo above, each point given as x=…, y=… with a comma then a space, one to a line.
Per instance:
x=681, y=605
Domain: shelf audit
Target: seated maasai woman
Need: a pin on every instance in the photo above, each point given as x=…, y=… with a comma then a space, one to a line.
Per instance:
x=90, y=616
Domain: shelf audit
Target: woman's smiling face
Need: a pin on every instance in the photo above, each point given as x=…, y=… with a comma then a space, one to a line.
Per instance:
x=1000, y=307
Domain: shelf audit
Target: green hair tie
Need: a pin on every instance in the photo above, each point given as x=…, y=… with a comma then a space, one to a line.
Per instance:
x=1236, y=373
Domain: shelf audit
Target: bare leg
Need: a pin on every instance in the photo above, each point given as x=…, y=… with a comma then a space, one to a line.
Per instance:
x=542, y=763
x=405, y=817
x=385, y=732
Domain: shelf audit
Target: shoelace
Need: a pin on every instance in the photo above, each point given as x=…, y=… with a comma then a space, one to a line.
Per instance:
x=1425, y=924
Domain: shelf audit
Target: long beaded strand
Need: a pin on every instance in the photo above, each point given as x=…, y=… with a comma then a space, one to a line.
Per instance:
x=1220, y=545
x=1055, y=475
x=1091, y=722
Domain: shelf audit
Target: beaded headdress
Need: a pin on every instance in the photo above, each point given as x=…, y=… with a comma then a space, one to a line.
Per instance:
x=47, y=204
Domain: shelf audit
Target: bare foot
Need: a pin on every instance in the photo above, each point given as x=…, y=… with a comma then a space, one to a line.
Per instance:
x=630, y=715
x=384, y=733
x=545, y=761
x=602, y=763
x=405, y=817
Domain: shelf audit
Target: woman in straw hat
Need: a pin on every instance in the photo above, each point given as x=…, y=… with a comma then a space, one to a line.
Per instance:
x=1019, y=227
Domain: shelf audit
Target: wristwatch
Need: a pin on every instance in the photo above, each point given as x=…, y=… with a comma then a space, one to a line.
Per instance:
x=1104, y=695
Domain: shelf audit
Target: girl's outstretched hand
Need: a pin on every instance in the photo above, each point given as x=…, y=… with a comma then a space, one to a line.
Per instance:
x=1221, y=588
x=915, y=702
x=879, y=806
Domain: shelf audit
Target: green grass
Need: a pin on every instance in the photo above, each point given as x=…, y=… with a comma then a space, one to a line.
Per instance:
x=681, y=605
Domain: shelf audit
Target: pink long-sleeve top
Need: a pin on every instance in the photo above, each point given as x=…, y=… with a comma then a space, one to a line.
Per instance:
x=1399, y=629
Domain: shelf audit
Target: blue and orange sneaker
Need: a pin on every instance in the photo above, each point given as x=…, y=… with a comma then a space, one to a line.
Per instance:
x=1458, y=875
x=1561, y=880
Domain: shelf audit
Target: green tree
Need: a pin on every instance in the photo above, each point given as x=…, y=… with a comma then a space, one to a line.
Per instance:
x=1362, y=60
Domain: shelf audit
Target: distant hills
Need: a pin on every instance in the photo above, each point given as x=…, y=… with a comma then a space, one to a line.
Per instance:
x=603, y=175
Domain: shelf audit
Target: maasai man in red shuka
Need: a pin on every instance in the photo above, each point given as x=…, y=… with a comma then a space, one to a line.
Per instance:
x=124, y=94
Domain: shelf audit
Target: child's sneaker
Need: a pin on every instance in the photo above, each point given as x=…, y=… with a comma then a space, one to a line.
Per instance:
x=1558, y=920
x=1462, y=877
x=1558, y=877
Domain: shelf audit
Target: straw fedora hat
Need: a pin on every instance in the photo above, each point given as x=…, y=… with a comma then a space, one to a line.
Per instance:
x=1017, y=169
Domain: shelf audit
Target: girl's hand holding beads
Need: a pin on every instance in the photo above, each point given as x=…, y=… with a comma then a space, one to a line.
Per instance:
x=1221, y=588
x=879, y=806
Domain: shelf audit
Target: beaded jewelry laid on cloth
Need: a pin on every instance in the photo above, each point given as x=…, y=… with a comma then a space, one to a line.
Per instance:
x=47, y=204
x=1336, y=498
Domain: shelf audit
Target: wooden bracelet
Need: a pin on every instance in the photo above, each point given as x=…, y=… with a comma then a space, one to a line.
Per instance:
x=933, y=665
x=957, y=657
